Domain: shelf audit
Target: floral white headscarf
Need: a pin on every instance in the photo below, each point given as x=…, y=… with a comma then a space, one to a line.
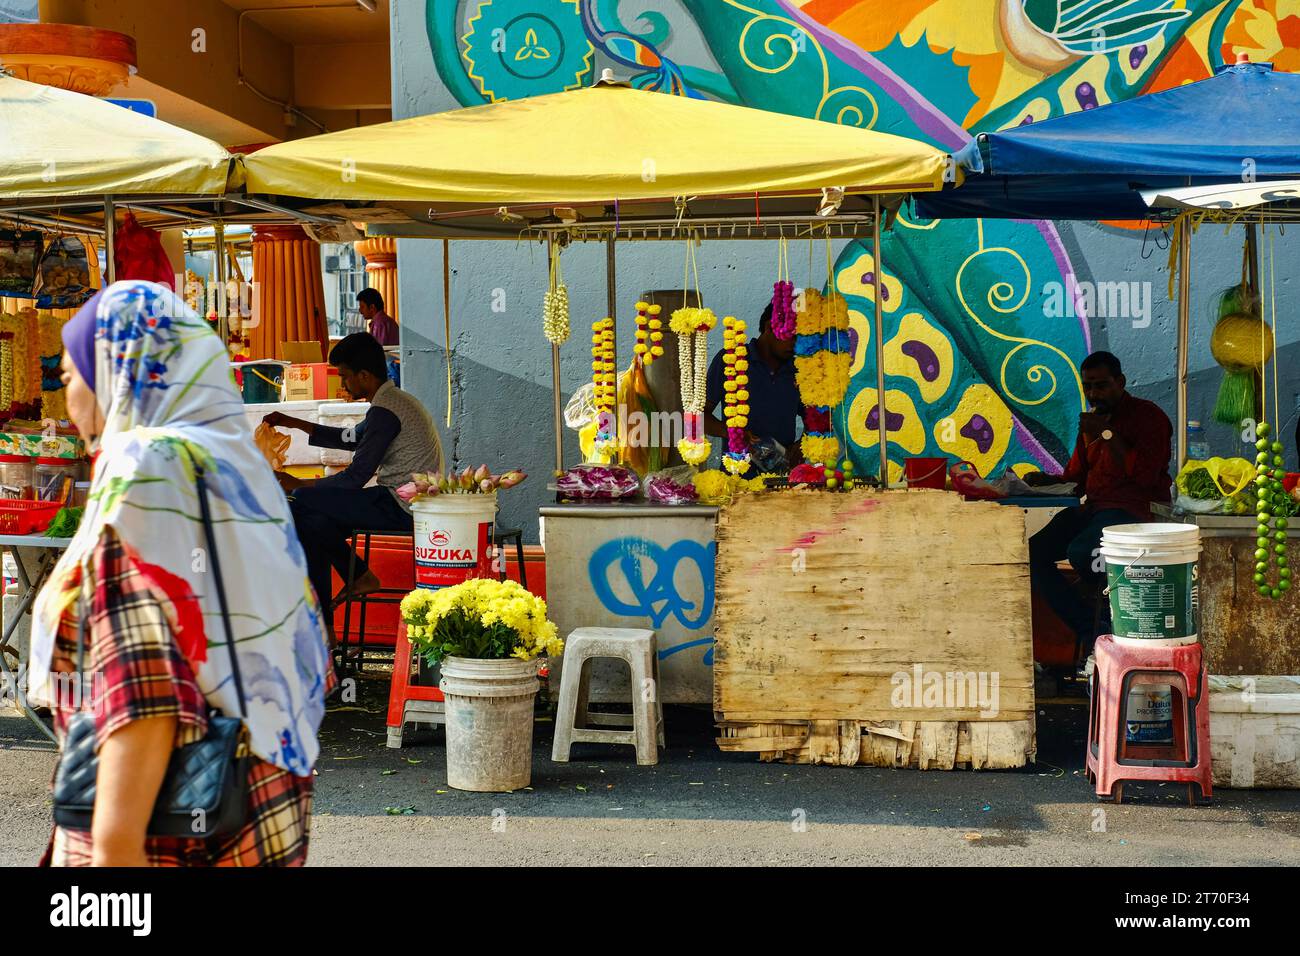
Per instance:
x=163, y=379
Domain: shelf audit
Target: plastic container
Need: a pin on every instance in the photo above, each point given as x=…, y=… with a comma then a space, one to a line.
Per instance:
x=1149, y=718
x=80, y=494
x=262, y=381
x=16, y=476
x=453, y=538
x=1198, y=448
x=1151, y=570
x=489, y=722
x=926, y=472
x=53, y=479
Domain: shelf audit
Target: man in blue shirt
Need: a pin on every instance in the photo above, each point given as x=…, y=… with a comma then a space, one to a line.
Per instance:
x=774, y=404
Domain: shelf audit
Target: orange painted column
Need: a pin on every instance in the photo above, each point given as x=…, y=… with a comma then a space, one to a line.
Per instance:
x=289, y=294
x=381, y=269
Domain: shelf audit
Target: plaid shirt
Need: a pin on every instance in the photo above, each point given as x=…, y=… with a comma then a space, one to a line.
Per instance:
x=140, y=673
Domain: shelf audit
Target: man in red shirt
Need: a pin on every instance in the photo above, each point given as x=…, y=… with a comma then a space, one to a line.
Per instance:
x=1121, y=465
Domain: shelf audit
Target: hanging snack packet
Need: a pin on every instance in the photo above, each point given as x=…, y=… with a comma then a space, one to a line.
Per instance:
x=63, y=275
x=19, y=253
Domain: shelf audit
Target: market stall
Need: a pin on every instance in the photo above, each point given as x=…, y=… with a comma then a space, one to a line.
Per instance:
x=1221, y=151
x=629, y=553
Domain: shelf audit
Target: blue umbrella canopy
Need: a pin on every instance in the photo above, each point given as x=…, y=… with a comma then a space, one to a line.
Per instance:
x=1241, y=124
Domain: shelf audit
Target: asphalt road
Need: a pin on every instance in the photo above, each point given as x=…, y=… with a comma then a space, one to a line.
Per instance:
x=701, y=807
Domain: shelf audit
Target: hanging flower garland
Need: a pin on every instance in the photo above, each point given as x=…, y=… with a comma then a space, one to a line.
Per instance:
x=555, y=304
x=736, y=397
x=692, y=327
x=649, y=332
x=603, y=376
x=821, y=361
x=783, y=313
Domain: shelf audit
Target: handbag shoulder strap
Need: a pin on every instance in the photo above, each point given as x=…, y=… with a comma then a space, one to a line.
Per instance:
x=214, y=560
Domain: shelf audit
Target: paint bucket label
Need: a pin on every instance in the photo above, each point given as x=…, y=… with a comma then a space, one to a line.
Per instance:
x=1149, y=719
x=1153, y=601
x=451, y=547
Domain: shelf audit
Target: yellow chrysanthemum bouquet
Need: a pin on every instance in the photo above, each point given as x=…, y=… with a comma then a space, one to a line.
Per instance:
x=479, y=618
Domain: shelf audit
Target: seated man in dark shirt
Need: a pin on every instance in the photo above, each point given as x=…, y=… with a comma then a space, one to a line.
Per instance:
x=774, y=404
x=396, y=439
x=1121, y=463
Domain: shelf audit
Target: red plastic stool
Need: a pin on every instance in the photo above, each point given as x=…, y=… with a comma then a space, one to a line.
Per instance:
x=406, y=701
x=1111, y=760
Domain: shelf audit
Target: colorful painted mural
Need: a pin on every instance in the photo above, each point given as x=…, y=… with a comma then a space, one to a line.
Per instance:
x=979, y=366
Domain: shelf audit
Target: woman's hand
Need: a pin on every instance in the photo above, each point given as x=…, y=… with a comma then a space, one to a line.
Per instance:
x=132, y=763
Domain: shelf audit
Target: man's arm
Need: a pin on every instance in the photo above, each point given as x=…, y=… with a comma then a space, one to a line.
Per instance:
x=376, y=434
x=340, y=439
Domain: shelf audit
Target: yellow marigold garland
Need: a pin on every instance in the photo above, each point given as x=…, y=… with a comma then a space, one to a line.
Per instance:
x=605, y=379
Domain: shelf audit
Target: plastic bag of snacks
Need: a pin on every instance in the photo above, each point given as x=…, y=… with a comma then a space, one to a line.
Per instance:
x=672, y=486
x=19, y=253
x=598, y=482
x=63, y=275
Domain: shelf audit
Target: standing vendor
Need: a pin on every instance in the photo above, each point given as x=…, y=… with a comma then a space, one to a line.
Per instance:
x=774, y=403
x=396, y=439
x=1121, y=463
x=382, y=325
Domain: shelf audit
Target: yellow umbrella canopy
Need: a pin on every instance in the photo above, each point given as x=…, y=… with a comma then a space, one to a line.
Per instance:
x=57, y=143
x=609, y=142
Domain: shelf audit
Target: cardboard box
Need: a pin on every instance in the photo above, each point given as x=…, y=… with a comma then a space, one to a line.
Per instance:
x=314, y=382
x=301, y=353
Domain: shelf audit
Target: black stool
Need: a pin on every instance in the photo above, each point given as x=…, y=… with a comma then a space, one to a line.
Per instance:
x=499, y=537
x=382, y=596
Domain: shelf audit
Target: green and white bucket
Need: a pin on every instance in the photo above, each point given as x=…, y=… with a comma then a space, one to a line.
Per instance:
x=1151, y=576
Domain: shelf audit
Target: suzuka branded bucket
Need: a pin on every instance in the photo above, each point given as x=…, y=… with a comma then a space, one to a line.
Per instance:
x=1151, y=576
x=453, y=538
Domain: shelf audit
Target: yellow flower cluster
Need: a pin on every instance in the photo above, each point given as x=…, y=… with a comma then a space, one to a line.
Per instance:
x=488, y=603
x=817, y=314
x=602, y=363
x=689, y=320
x=24, y=326
x=822, y=377
x=649, y=332
x=822, y=448
x=716, y=485
x=50, y=338
x=694, y=451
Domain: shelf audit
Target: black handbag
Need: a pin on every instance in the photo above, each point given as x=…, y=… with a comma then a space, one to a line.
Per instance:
x=205, y=790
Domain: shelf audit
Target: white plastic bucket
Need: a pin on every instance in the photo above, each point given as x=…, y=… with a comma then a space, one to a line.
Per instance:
x=453, y=538
x=1151, y=572
x=489, y=722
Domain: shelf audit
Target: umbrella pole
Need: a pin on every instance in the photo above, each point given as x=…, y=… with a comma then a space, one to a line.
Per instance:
x=881, y=411
x=1184, y=322
x=110, y=241
x=555, y=385
x=223, y=319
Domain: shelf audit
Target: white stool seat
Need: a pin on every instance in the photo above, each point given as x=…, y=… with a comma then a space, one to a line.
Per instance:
x=573, y=722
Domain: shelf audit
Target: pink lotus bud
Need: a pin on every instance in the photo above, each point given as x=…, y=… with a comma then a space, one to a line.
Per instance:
x=482, y=472
x=511, y=478
x=407, y=491
x=486, y=486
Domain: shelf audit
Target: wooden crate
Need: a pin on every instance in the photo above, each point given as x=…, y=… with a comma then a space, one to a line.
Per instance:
x=883, y=629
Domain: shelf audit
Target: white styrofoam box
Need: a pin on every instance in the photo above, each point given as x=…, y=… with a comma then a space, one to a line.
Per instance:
x=300, y=452
x=340, y=415
x=1255, y=731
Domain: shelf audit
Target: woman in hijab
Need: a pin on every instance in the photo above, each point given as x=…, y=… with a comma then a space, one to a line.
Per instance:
x=149, y=388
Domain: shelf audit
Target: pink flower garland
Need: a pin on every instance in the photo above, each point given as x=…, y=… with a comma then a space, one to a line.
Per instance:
x=783, y=309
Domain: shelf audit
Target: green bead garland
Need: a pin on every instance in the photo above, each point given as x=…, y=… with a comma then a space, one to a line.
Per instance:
x=1270, y=540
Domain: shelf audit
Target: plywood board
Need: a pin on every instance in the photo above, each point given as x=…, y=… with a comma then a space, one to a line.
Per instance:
x=894, y=607
x=1241, y=632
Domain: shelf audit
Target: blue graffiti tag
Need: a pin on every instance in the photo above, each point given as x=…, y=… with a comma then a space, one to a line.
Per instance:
x=658, y=597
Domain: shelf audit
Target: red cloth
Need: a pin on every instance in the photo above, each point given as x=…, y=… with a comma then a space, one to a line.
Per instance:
x=384, y=328
x=139, y=254
x=1143, y=475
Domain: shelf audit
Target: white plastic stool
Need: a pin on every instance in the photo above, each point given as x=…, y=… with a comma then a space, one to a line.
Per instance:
x=573, y=724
